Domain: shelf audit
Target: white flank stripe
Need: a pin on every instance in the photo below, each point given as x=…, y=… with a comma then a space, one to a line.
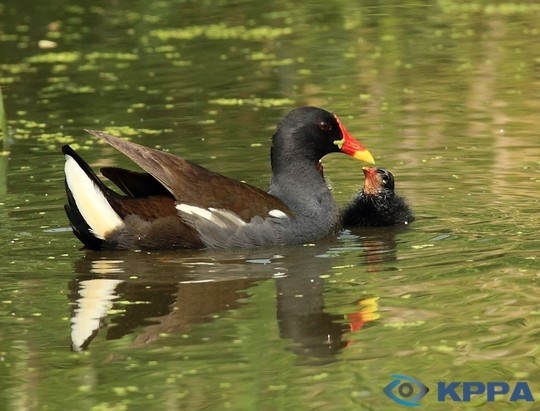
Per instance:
x=201, y=212
x=277, y=214
x=92, y=204
x=233, y=218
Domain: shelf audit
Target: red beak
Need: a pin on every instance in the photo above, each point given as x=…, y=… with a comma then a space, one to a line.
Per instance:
x=351, y=146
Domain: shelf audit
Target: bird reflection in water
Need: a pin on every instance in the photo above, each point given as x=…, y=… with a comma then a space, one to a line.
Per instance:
x=150, y=295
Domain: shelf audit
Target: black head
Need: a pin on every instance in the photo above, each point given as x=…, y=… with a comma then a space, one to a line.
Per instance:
x=378, y=180
x=387, y=178
x=311, y=133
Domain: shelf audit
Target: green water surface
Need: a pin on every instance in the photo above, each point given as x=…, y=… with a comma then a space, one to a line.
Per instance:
x=446, y=94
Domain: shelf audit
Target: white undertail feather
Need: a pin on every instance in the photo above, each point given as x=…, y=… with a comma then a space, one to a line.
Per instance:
x=90, y=200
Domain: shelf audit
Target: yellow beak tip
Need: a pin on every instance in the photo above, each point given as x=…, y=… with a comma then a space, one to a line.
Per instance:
x=364, y=155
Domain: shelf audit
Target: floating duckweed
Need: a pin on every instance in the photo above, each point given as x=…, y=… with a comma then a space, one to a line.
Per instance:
x=57, y=138
x=222, y=32
x=33, y=124
x=121, y=66
x=57, y=68
x=111, y=56
x=54, y=35
x=70, y=88
x=257, y=102
x=259, y=55
x=443, y=348
x=18, y=68
x=277, y=387
x=8, y=37
x=58, y=57
x=505, y=8
x=88, y=67
x=9, y=79
x=108, y=76
x=165, y=48
x=320, y=376
x=511, y=8
x=404, y=324
x=182, y=63
x=121, y=391
x=121, y=131
x=105, y=406
x=62, y=80
x=172, y=55
x=278, y=63
x=74, y=9
x=420, y=246
x=151, y=19
x=126, y=131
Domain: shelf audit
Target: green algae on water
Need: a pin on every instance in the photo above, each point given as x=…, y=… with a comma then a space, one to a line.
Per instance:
x=257, y=102
x=222, y=32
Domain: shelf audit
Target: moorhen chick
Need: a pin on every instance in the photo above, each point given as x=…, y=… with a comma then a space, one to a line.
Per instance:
x=377, y=204
x=178, y=204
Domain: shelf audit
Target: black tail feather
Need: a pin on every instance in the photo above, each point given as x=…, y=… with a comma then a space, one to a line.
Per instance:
x=135, y=184
x=67, y=150
x=79, y=226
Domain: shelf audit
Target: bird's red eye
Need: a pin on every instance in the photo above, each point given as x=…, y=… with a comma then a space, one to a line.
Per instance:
x=324, y=126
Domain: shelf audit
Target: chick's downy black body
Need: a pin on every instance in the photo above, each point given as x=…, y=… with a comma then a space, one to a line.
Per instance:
x=377, y=204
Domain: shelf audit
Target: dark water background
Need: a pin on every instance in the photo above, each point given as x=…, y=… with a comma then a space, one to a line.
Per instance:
x=446, y=94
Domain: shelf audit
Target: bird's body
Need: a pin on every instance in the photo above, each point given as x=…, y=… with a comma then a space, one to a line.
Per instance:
x=175, y=203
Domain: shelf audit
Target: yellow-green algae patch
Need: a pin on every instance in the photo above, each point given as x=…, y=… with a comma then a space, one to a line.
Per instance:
x=55, y=57
x=126, y=131
x=111, y=56
x=503, y=8
x=222, y=32
x=17, y=68
x=277, y=63
x=52, y=140
x=257, y=102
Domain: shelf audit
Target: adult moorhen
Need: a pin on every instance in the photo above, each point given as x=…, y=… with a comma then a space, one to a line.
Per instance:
x=179, y=204
x=377, y=204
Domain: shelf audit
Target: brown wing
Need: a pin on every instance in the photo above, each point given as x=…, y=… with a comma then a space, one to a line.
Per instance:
x=147, y=208
x=192, y=184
